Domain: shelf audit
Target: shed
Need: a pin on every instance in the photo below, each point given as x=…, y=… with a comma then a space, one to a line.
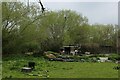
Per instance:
x=69, y=49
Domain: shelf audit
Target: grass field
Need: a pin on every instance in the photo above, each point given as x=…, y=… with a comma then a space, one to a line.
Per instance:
x=54, y=69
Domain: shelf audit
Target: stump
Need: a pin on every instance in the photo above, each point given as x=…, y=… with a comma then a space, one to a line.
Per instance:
x=31, y=65
x=26, y=69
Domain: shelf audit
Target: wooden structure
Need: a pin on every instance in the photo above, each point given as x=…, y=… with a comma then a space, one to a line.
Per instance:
x=69, y=49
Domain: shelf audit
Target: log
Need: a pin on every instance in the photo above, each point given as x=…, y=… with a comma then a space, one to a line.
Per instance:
x=26, y=69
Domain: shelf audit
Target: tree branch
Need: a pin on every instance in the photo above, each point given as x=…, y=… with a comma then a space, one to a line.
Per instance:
x=30, y=24
x=42, y=7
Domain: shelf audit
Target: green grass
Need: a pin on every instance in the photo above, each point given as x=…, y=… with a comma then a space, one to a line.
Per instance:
x=12, y=67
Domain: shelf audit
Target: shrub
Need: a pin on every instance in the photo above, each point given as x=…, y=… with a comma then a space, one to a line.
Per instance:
x=81, y=58
x=102, y=55
x=94, y=55
x=114, y=57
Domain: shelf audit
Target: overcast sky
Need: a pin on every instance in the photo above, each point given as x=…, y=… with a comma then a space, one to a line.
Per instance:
x=96, y=12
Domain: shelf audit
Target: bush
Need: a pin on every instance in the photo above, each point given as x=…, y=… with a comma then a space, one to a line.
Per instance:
x=98, y=55
x=79, y=58
x=114, y=57
x=102, y=55
x=94, y=55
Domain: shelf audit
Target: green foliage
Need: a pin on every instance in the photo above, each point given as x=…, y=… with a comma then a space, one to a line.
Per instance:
x=98, y=55
x=15, y=19
x=114, y=57
x=30, y=47
x=27, y=29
